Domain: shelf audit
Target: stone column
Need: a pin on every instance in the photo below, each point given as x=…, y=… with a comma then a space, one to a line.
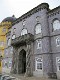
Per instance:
x=13, y=69
x=28, y=60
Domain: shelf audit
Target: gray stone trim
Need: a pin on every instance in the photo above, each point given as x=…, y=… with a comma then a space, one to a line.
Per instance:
x=53, y=12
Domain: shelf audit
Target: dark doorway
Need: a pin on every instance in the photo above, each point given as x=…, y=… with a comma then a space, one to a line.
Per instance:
x=22, y=61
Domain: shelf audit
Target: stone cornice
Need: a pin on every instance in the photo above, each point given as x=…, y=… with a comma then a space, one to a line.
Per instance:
x=34, y=10
x=54, y=11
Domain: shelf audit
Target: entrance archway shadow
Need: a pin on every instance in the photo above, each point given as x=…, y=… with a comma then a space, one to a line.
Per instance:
x=22, y=62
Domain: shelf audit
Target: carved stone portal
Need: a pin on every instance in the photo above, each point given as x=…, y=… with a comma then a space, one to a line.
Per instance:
x=23, y=58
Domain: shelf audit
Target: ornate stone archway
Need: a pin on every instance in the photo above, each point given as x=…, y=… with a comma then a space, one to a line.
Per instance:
x=18, y=44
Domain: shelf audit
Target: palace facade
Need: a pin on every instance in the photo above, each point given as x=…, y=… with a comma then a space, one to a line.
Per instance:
x=36, y=42
x=35, y=38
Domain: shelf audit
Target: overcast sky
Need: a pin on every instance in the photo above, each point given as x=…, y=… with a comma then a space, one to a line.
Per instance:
x=20, y=7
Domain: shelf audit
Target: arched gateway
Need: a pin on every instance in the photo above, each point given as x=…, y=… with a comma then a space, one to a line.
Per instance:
x=23, y=54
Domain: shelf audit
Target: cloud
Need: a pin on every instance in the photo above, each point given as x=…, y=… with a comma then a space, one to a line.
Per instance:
x=20, y=7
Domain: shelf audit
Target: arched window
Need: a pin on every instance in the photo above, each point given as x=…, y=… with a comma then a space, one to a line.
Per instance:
x=13, y=36
x=9, y=42
x=56, y=25
x=58, y=63
x=39, y=44
x=23, y=32
x=38, y=29
x=58, y=41
x=14, y=30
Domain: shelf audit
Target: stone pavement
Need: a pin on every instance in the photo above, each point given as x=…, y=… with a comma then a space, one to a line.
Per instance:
x=22, y=77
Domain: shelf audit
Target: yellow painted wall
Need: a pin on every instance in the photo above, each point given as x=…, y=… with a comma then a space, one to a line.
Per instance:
x=3, y=39
x=0, y=66
x=2, y=52
x=2, y=32
x=4, y=26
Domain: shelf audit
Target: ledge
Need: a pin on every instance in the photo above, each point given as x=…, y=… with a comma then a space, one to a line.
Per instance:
x=22, y=39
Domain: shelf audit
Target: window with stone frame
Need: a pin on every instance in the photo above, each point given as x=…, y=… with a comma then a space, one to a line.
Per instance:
x=4, y=29
x=10, y=63
x=14, y=30
x=0, y=52
x=6, y=51
x=9, y=41
x=23, y=32
x=5, y=63
x=58, y=63
x=39, y=44
x=11, y=50
x=1, y=43
x=38, y=28
x=24, y=22
x=58, y=41
x=0, y=63
x=13, y=36
x=38, y=19
x=38, y=64
x=56, y=25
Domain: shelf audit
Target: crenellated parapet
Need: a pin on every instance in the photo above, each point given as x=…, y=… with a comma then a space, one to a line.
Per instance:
x=7, y=24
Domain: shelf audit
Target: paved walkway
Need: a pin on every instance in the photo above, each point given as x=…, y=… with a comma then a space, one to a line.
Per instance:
x=22, y=77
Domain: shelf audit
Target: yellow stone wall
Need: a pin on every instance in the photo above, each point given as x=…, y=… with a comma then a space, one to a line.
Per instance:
x=4, y=27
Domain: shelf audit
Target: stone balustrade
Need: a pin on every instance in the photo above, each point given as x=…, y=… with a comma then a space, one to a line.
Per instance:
x=22, y=39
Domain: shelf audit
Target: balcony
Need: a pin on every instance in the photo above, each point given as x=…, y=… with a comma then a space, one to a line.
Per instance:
x=21, y=40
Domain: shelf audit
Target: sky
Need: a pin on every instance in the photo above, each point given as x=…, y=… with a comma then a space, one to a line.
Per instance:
x=20, y=7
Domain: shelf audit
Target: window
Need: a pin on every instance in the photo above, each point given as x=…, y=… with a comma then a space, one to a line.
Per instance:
x=14, y=30
x=39, y=44
x=38, y=65
x=11, y=50
x=38, y=29
x=23, y=32
x=58, y=41
x=5, y=63
x=1, y=43
x=0, y=52
x=6, y=51
x=0, y=63
x=56, y=25
x=10, y=63
x=37, y=18
x=58, y=64
x=24, y=22
x=9, y=42
x=4, y=30
x=13, y=36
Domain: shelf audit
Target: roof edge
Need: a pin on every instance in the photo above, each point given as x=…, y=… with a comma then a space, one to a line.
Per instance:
x=32, y=11
x=53, y=9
